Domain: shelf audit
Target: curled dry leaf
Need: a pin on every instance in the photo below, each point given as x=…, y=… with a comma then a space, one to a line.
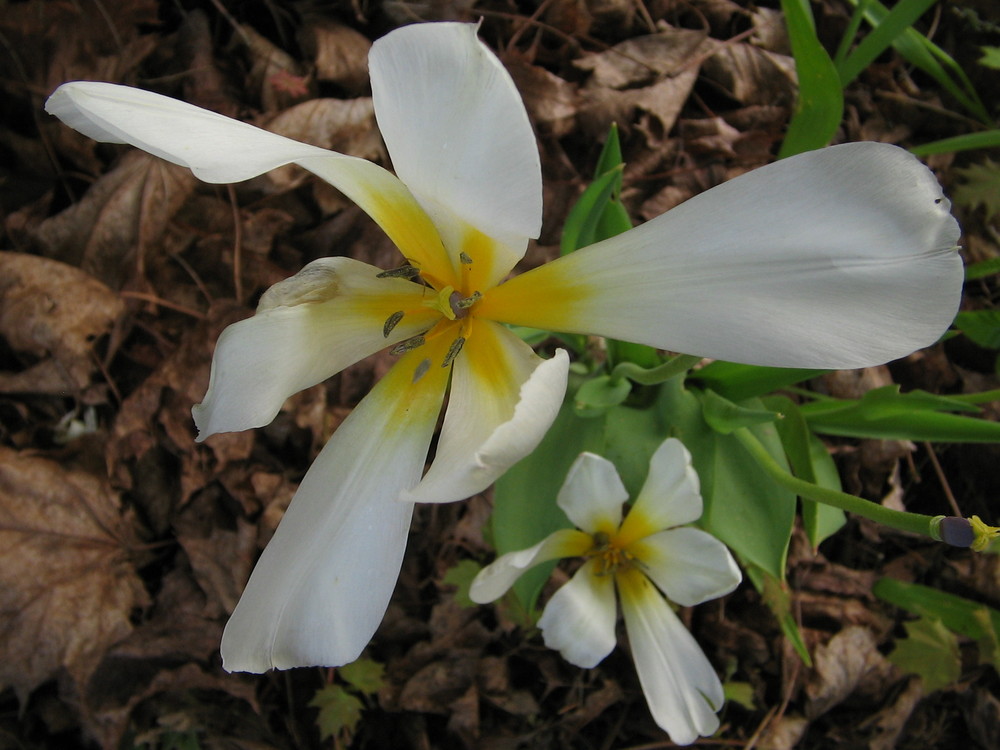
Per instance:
x=650, y=74
x=68, y=586
x=850, y=662
x=119, y=220
x=339, y=53
x=54, y=312
x=751, y=75
x=551, y=102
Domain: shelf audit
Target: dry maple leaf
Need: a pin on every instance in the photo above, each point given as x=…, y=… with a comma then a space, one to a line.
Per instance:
x=68, y=586
x=52, y=311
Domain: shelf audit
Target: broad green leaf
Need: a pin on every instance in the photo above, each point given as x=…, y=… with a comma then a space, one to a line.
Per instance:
x=725, y=416
x=524, y=499
x=599, y=394
x=367, y=675
x=812, y=462
x=460, y=576
x=982, y=326
x=886, y=32
x=339, y=711
x=743, y=505
x=957, y=613
x=737, y=382
x=820, y=104
x=930, y=651
x=741, y=693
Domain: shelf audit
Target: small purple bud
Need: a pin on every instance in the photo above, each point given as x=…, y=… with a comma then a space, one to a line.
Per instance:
x=956, y=531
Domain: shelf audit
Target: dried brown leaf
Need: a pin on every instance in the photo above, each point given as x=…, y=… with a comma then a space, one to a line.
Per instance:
x=120, y=219
x=551, y=101
x=339, y=53
x=54, y=312
x=849, y=662
x=751, y=75
x=68, y=586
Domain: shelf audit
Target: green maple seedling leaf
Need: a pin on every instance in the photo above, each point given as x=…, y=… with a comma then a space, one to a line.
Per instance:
x=981, y=187
x=930, y=651
x=366, y=675
x=339, y=711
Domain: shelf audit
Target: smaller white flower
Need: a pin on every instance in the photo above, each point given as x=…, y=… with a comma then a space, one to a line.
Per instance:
x=638, y=555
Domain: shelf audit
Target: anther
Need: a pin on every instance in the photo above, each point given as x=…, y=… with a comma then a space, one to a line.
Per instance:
x=391, y=322
x=407, y=346
x=465, y=258
x=453, y=350
x=460, y=305
x=403, y=272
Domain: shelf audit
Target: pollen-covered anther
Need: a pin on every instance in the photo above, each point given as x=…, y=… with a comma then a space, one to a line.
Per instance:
x=403, y=272
x=391, y=322
x=460, y=305
x=453, y=350
x=408, y=346
x=610, y=557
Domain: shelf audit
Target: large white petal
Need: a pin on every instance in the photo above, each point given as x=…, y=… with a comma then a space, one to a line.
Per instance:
x=838, y=258
x=328, y=316
x=670, y=496
x=579, y=620
x=689, y=565
x=495, y=579
x=458, y=134
x=592, y=495
x=219, y=149
x=503, y=400
x=681, y=688
x=322, y=584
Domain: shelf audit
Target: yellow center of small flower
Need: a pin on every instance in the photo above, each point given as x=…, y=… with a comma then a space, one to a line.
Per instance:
x=610, y=556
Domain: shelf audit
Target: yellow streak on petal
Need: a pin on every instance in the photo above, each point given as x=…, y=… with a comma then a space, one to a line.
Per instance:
x=413, y=388
x=412, y=231
x=491, y=367
x=636, y=526
x=546, y=297
x=484, y=254
x=634, y=586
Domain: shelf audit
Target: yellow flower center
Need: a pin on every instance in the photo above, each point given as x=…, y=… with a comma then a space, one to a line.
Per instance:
x=609, y=555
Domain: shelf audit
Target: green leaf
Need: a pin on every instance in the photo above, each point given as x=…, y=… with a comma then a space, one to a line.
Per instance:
x=990, y=58
x=918, y=50
x=460, y=576
x=599, y=394
x=741, y=693
x=886, y=32
x=930, y=651
x=524, y=499
x=957, y=613
x=737, y=382
x=339, y=711
x=982, y=139
x=744, y=507
x=982, y=326
x=581, y=225
x=981, y=187
x=724, y=416
x=820, y=105
x=812, y=462
x=884, y=413
x=367, y=675
x=982, y=269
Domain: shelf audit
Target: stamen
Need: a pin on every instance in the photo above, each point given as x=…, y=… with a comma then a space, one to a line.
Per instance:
x=403, y=272
x=462, y=256
x=453, y=350
x=408, y=346
x=610, y=557
x=460, y=305
x=391, y=322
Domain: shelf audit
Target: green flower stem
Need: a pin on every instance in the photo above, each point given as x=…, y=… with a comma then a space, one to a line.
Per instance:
x=654, y=375
x=914, y=522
